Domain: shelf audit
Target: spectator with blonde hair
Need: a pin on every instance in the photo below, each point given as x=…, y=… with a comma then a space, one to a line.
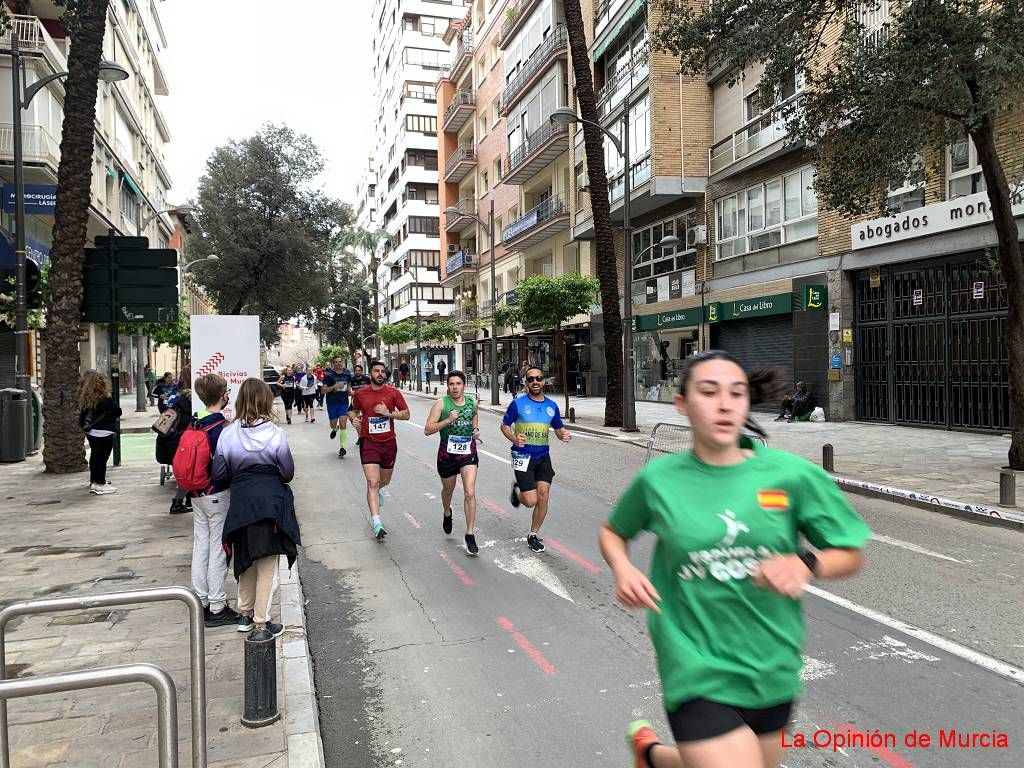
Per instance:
x=98, y=419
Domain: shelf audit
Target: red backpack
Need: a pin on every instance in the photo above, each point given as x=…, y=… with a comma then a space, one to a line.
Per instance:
x=192, y=459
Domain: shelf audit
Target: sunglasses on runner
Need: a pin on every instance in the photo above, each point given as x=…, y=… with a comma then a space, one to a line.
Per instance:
x=535, y=378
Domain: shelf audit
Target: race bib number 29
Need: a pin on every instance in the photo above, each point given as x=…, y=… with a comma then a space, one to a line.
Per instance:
x=520, y=461
x=379, y=425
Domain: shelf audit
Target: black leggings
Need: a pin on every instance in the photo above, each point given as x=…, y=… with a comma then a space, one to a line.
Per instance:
x=307, y=401
x=288, y=395
x=99, y=452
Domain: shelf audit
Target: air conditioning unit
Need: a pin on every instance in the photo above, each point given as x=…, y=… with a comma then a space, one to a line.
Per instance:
x=696, y=236
x=453, y=248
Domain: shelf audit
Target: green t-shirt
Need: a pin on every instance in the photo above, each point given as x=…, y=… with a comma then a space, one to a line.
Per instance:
x=719, y=636
x=461, y=429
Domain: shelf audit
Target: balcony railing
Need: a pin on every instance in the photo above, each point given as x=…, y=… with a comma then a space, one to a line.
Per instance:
x=38, y=145
x=622, y=82
x=554, y=45
x=466, y=313
x=549, y=209
x=463, y=55
x=759, y=133
x=533, y=142
x=486, y=308
x=461, y=99
x=466, y=153
x=515, y=16
x=465, y=206
x=32, y=36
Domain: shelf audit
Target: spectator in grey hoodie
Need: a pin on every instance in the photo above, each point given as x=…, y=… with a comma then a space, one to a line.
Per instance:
x=254, y=460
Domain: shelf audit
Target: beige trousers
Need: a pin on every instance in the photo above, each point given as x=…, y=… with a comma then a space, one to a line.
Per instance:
x=256, y=589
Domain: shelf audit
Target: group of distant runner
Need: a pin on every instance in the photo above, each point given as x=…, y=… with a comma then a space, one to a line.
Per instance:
x=729, y=565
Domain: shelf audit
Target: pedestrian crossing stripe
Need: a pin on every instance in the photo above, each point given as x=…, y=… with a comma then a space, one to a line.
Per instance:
x=773, y=499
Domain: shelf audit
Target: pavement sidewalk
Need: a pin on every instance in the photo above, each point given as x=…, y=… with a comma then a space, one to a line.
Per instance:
x=924, y=467
x=61, y=541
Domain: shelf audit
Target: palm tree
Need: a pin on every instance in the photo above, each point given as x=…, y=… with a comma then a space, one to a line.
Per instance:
x=369, y=241
x=85, y=21
x=604, y=243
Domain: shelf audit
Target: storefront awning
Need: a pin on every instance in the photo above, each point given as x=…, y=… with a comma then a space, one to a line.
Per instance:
x=609, y=37
x=131, y=185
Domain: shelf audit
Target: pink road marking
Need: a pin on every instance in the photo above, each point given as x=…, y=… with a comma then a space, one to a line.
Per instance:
x=412, y=520
x=499, y=511
x=579, y=559
x=887, y=755
x=456, y=569
x=538, y=658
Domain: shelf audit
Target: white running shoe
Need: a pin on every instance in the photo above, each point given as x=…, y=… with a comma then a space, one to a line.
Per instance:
x=100, y=490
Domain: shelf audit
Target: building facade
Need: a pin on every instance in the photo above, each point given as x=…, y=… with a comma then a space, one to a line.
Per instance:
x=409, y=55
x=130, y=179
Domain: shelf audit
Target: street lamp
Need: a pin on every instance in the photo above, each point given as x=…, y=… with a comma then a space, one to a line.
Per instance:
x=563, y=116
x=109, y=72
x=489, y=226
x=145, y=222
x=360, y=311
x=187, y=267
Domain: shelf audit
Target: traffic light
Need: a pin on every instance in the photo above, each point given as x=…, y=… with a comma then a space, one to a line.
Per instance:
x=8, y=282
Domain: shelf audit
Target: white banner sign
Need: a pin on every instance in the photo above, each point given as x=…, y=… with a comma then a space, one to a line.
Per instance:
x=967, y=211
x=228, y=345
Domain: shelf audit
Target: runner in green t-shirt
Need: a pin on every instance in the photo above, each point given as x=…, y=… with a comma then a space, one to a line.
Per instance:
x=456, y=417
x=727, y=572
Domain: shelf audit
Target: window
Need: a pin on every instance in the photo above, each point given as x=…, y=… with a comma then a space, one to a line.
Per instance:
x=426, y=259
x=497, y=229
x=963, y=171
x=496, y=170
x=483, y=127
x=425, y=124
x=425, y=58
x=422, y=158
x=778, y=211
x=873, y=16
x=496, y=110
x=422, y=91
x=423, y=225
x=910, y=194
x=484, y=187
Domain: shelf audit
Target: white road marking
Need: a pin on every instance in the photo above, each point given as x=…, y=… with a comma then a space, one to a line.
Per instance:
x=913, y=548
x=495, y=456
x=414, y=424
x=1000, y=668
x=815, y=669
x=533, y=568
x=889, y=648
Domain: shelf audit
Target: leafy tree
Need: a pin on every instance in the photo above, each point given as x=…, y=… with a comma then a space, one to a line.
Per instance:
x=339, y=320
x=398, y=333
x=440, y=330
x=273, y=231
x=549, y=302
x=938, y=70
x=85, y=23
x=604, y=242
x=328, y=353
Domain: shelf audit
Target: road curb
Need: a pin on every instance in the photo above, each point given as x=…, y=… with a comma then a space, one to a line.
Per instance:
x=302, y=716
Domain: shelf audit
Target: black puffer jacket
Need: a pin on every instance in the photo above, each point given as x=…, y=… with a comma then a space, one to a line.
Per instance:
x=104, y=416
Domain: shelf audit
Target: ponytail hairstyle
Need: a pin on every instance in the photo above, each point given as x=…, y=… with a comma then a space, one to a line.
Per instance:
x=764, y=384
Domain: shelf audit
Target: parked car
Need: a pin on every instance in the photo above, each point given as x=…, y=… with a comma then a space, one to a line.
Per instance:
x=270, y=376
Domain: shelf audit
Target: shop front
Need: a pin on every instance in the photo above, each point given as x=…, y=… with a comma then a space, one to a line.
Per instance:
x=661, y=343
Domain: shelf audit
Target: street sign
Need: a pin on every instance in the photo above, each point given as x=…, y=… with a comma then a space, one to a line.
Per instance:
x=125, y=281
x=132, y=257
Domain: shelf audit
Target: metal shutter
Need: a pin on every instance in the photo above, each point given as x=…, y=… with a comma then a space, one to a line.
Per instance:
x=764, y=342
x=6, y=359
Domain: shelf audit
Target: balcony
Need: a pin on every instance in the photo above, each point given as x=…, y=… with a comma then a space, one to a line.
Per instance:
x=463, y=56
x=459, y=265
x=460, y=164
x=34, y=39
x=516, y=15
x=538, y=151
x=486, y=308
x=552, y=49
x=767, y=130
x=538, y=224
x=39, y=147
x=464, y=221
x=622, y=82
x=459, y=112
x=465, y=314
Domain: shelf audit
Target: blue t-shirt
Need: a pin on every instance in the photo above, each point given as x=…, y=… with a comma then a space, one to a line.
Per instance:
x=533, y=418
x=337, y=397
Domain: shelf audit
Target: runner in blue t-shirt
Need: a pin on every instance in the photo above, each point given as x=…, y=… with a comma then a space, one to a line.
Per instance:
x=532, y=415
x=337, y=381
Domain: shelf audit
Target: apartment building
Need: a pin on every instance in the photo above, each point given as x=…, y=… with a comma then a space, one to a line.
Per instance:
x=130, y=177
x=409, y=55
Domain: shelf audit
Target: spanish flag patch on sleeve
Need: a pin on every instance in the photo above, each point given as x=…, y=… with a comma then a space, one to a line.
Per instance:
x=771, y=499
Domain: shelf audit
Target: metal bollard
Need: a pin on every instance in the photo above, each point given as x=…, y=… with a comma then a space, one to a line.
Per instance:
x=572, y=415
x=828, y=457
x=1007, y=488
x=260, y=680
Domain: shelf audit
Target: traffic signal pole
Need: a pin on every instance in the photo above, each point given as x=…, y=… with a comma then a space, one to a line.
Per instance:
x=115, y=362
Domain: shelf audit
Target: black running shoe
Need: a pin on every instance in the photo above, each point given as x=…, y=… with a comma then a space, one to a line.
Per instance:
x=178, y=507
x=447, y=522
x=513, y=498
x=334, y=433
x=222, y=618
x=535, y=542
x=471, y=546
x=341, y=453
x=275, y=630
x=246, y=623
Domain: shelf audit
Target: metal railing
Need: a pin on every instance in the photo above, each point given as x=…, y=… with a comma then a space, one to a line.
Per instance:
x=197, y=649
x=460, y=260
x=486, y=308
x=465, y=206
x=466, y=153
x=465, y=314
x=461, y=99
x=764, y=130
x=161, y=682
x=554, y=44
x=463, y=54
x=516, y=13
x=635, y=72
x=32, y=36
x=38, y=144
x=533, y=142
x=547, y=210
x=675, y=438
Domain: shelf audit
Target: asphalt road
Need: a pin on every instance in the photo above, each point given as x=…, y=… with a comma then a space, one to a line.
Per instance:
x=426, y=657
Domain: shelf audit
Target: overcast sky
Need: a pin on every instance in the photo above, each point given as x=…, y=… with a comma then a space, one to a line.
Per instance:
x=234, y=64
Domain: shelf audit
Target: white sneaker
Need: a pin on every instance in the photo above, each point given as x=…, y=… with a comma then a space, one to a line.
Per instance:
x=100, y=490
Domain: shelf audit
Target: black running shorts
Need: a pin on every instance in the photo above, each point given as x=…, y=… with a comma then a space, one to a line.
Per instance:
x=451, y=466
x=702, y=719
x=537, y=471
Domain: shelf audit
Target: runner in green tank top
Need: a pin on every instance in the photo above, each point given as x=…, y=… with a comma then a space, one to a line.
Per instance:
x=727, y=572
x=456, y=418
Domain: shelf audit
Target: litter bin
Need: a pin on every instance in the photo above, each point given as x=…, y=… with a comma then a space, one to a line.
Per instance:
x=13, y=423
